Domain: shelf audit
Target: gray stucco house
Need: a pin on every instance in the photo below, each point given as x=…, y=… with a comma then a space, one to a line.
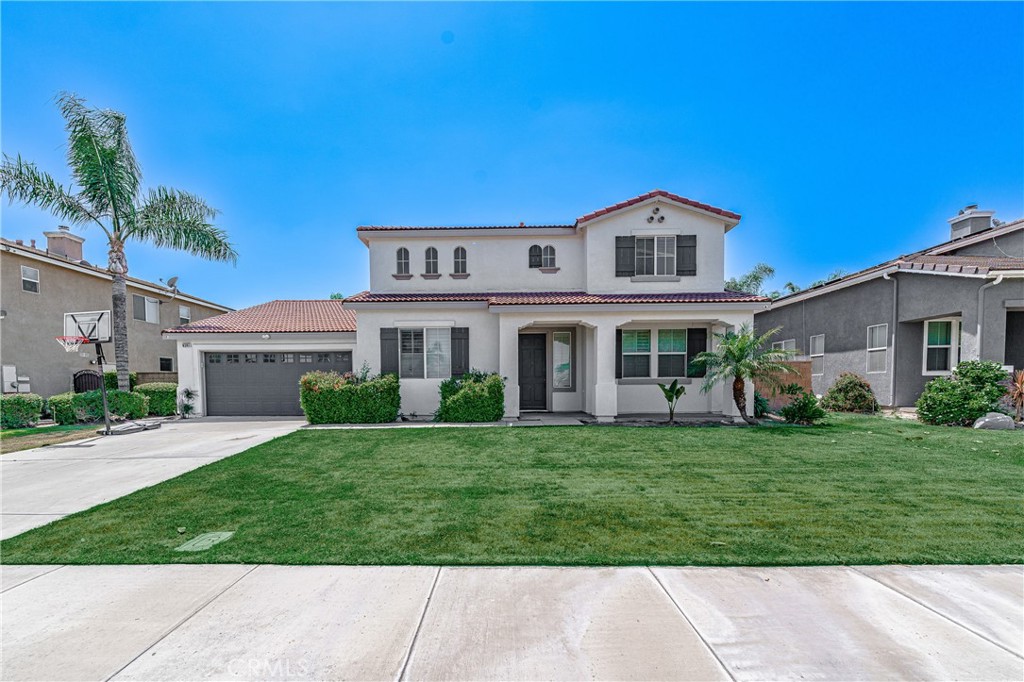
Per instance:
x=904, y=322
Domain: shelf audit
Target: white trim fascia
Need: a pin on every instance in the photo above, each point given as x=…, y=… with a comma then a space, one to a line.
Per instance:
x=626, y=307
x=828, y=288
x=413, y=232
x=392, y=305
x=197, y=338
x=44, y=258
x=728, y=223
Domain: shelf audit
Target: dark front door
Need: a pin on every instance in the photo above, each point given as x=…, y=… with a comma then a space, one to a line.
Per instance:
x=533, y=385
x=1014, y=339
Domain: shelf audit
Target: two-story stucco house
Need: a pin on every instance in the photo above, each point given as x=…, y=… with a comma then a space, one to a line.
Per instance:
x=587, y=316
x=904, y=322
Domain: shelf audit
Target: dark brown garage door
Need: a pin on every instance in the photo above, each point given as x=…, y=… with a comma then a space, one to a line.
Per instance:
x=263, y=384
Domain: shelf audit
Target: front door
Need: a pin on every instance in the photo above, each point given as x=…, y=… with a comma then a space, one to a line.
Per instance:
x=533, y=385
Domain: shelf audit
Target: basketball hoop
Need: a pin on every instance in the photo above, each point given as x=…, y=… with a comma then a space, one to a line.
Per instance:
x=71, y=343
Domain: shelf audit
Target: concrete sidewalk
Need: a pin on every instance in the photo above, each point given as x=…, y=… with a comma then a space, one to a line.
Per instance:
x=201, y=622
x=41, y=485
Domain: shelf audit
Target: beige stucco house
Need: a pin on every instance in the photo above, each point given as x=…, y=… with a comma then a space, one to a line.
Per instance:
x=38, y=285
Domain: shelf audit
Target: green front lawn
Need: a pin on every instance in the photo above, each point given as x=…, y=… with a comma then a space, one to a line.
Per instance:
x=859, y=490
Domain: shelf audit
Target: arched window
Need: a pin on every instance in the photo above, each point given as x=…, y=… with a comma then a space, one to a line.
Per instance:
x=431, y=261
x=460, y=260
x=535, y=256
x=548, y=259
x=402, y=261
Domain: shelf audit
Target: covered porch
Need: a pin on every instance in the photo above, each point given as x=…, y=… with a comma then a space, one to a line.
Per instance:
x=608, y=363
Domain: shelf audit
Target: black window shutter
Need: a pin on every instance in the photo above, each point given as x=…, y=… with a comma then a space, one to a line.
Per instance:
x=618, y=353
x=138, y=307
x=625, y=256
x=460, y=351
x=686, y=255
x=388, y=350
x=696, y=343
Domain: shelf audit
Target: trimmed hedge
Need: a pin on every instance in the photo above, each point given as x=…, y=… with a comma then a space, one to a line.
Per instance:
x=330, y=398
x=71, y=408
x=163, y=397
x=18, y=410
x=475, y=397
x=850, y=393
x=974, y=389
x=110, y=379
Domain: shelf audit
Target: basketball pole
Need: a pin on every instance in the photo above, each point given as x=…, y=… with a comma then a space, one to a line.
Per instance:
x=103, y=389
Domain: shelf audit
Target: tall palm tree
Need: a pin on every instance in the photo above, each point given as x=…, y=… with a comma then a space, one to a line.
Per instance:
x=743, y=356
x=109, y=194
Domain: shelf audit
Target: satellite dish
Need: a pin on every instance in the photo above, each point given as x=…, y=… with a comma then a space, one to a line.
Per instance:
x=172, y=283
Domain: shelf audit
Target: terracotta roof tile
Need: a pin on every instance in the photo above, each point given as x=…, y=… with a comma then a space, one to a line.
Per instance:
x=279, y=316
x=658, y=193
x=559, y=298
x=401, y=228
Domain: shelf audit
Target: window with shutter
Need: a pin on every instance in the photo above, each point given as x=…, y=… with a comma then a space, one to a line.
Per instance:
x=625, y=257
x=686, y=255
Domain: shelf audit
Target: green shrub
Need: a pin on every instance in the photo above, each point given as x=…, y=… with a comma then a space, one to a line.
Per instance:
x=803, y=410
x=474, y=397
x=18, y=410
x=850, y=393
x=71, y=408
x=330, y=398
x=110, y=379
x=761, y=407
x=975, y=388
x=163, y=397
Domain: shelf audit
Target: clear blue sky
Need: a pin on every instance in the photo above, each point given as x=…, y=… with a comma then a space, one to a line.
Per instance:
x=844, y=134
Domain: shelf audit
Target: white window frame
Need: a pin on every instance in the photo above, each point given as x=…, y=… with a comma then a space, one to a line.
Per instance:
x=446, y=371
x=555, y=335
x=547, y=257
x=25, y=277
x=649, y=353
x=152, y=305
x=954, y=347
x=184, y=314
x=785, y=344
x=875, y=349
x=402, y=261
x=811, y=354
x=430, y=264
x=685, y=353
x=460, y=260
x=663, y=265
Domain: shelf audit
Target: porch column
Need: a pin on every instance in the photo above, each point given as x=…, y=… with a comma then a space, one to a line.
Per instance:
x=606, y=397
x=508, y=362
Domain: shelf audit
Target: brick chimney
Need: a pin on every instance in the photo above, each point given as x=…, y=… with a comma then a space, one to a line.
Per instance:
x=63, y=243
x=970, y=221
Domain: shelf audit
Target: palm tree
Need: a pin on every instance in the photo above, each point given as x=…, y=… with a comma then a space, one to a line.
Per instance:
x=108, y=194
x=743, y=356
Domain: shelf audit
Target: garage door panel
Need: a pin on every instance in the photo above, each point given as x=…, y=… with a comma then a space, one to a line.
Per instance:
x=263, y=384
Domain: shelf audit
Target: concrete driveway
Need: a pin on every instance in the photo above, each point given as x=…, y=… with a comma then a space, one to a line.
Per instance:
x=41, y=485
x=202, y=622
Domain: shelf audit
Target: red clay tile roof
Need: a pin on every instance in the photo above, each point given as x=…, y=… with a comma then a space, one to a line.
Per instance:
x=966, y=265
x=400, y=228
x=278, y=316
x=658, y=193
x=559, y=298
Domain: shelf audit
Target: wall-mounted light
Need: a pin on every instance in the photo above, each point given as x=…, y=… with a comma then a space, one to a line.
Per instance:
x=265, y=337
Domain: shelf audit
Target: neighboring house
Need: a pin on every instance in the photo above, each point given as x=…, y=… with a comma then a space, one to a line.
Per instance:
x=38, y=286
x=582, y=317
x=913, y=318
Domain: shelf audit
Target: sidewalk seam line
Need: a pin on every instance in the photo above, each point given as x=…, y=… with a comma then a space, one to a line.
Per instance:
x=181, y=622
x=26, y=582
x=691, y=624
x=419, y=626
x=935, y=611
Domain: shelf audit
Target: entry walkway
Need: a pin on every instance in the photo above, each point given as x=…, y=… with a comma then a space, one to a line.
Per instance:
x=200, y=622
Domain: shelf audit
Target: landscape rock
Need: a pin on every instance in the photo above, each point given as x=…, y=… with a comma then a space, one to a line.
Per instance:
x=994, y=421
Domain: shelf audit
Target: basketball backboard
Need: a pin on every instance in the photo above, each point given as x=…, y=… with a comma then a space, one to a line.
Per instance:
x=94, y=325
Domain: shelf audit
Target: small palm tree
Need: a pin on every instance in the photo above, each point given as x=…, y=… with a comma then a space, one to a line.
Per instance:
x=743, y=356
x=109, y=194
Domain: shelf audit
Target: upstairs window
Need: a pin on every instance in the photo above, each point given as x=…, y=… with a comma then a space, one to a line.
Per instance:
x=536, y=260
x=548, y=257
x=29, y=279
x=145, y=309
x=656, y=256
x=460, y=261
x=402, y=261
x=431, y=261
x=184, y=314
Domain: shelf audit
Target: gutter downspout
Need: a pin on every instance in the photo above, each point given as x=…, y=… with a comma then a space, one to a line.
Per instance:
x=981, y=306
x=895, y=322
